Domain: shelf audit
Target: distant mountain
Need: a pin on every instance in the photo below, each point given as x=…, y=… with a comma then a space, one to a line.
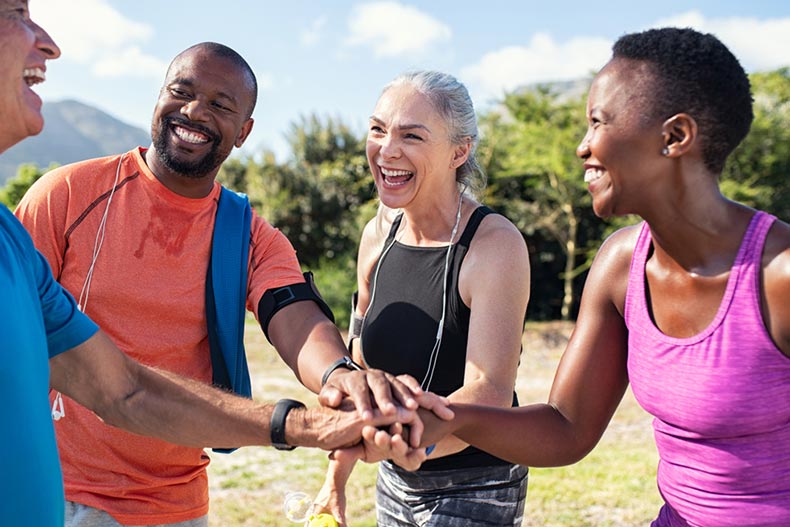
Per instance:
x=73, y=131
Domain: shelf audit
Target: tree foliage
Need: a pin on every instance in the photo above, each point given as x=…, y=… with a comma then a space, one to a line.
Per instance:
x=15, y=188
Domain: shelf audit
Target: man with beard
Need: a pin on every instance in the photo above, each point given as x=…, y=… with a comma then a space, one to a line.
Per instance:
x=130, y=236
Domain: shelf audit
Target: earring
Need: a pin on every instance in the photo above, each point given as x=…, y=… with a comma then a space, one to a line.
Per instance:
x=665, y=151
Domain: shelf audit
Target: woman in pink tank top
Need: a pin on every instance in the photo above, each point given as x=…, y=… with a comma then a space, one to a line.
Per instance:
x=690, y=306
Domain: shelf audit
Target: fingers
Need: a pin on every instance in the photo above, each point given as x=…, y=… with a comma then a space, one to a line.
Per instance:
x=389, y=393
x=330, y=396
x=438, y=405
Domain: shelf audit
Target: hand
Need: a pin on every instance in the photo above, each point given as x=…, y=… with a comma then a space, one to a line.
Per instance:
x=391, y=444
x=435, y=428
x=333, y=428
x=370, y=389
x=331, y=498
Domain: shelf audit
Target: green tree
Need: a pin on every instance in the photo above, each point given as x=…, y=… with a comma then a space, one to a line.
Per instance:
x=15, y=188
x=756, y=173
x=536, y=177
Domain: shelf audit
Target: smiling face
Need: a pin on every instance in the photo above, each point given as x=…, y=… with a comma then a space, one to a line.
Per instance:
x=24, y=49
x=201, y=114
x=621, y=150
x=409, y=150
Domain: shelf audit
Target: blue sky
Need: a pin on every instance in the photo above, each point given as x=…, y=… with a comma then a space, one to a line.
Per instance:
x=331, y=58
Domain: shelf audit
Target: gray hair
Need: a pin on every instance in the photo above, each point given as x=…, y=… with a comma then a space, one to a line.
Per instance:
x=451, y=100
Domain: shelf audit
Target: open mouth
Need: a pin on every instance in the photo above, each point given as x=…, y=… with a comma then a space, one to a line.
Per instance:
x=395, y=178
x=190, y=136
x=592, y=174
x=33, y=76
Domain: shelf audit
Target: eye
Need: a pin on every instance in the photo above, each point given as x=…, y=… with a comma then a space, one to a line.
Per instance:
x=412, y=136
x=376, y=129
x=220, y=106
x=178, y=93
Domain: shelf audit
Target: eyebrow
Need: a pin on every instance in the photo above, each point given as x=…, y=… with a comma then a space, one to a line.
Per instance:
x=408, y=126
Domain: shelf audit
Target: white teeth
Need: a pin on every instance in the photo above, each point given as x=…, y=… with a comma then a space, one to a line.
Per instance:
x=189, y=137
x=591, y=175
x=394, y=173
x=33, y=76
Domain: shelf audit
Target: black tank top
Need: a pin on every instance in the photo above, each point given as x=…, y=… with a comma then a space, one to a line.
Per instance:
x=401, y=323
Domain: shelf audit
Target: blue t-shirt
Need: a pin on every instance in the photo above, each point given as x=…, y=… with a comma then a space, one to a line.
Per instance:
x=38, y=320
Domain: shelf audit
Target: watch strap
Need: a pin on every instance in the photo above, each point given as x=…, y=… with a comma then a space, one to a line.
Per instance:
x=277, y=425
x=342, y=362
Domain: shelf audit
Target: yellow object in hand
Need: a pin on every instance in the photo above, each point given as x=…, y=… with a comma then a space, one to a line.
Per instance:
x=322, y=520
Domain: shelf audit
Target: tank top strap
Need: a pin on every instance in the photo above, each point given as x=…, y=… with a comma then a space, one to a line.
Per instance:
x=474, y=222
x=393, y=229
x=754, y=239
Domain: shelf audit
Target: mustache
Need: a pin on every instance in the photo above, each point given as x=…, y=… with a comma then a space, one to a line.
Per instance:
x=194, y=126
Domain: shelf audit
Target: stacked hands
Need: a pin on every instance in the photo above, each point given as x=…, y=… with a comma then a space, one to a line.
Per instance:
x=381, y=416
x=375, y=416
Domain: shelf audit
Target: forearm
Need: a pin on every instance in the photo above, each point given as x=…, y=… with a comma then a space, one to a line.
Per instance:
x=478, y=392
x=537, y=435
x=190, y=413
x=307, y=341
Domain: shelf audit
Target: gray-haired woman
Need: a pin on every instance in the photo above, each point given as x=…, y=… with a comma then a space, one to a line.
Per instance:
x=443, y=291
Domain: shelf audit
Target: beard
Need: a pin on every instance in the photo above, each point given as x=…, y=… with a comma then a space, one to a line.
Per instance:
x=195, y=169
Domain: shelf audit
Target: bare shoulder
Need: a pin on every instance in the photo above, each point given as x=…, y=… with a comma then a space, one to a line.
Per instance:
x=497, y=232
x=373, y=236
x=608, y=276
x=776, y=280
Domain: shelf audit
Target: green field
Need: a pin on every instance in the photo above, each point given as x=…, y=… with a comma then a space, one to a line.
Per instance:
x=613, y=487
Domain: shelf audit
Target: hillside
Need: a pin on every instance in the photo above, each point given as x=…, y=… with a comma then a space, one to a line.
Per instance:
x=73, y=131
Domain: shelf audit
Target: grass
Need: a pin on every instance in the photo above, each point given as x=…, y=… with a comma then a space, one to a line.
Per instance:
x=613, y=486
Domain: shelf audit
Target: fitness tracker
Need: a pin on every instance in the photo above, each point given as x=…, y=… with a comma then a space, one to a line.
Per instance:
x=342, y=362
x=277, y=425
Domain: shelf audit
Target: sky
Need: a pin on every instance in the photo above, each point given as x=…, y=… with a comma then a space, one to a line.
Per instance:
x=332, y=58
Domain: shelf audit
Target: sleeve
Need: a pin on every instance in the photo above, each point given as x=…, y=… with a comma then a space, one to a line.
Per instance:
x=65, y=325
x=272, y=264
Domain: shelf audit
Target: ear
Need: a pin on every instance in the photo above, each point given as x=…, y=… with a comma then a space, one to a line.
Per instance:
x=679, y=134
x=246, y=128
x=461, y=154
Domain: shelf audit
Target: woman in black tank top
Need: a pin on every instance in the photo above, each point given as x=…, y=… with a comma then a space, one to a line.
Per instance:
x=443, y=289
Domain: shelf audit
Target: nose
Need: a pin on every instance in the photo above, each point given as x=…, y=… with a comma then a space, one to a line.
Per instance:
x=44, y=42
x=389, y=147
x=583, y=150
x=194, y=110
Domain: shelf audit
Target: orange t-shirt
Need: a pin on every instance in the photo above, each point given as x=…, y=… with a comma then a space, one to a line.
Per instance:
x=148, y=293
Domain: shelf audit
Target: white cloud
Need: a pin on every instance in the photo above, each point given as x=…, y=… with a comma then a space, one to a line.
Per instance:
x=312, y=34
x=92, y=32
x=759, y=44
x=392, y=29
x=542, y=60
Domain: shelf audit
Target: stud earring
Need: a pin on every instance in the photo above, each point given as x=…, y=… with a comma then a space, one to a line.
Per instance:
x=665, y=151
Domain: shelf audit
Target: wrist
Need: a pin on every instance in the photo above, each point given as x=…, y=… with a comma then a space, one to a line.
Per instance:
x=343, y=362
x=277, y=426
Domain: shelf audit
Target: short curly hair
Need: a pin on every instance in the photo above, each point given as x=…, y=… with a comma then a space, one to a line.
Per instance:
x=695, y=73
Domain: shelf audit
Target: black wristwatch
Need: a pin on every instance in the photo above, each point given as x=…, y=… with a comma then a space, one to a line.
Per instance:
x=342, y=362
x=277, y=425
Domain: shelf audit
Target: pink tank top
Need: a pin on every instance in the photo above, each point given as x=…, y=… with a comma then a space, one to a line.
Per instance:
x=720, y=401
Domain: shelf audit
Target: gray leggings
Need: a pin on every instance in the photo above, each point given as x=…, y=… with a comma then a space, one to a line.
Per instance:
x=483, y=496
x=79, y=515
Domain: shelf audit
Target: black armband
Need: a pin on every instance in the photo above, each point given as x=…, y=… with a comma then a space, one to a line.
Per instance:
x=274, y=300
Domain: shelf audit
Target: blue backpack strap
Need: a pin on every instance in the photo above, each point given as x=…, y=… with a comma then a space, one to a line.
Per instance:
x=226, y=294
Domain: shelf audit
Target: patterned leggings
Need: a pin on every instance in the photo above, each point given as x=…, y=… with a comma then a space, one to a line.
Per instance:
x=482, y=496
